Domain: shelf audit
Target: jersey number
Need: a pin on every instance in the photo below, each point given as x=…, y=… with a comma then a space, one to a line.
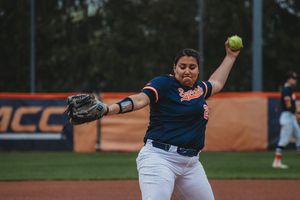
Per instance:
x=205, y=111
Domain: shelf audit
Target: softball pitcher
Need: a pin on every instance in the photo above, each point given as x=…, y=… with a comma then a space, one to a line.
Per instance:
x=288, y=119
x=169, y=160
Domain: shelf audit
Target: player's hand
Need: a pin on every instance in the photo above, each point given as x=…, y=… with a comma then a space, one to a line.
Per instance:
x=230, y=52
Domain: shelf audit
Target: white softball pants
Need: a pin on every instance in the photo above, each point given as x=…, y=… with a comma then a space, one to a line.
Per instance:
x=289, y=127
x=162, y=172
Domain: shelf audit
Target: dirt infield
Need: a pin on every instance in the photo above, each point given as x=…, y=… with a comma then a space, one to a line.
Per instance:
x=129, y=190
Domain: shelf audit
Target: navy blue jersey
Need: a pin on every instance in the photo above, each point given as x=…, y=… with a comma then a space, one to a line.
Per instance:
x=178, y=114
x=288, y=94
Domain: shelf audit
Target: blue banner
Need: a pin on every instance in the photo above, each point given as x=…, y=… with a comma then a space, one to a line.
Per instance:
x=34, y=125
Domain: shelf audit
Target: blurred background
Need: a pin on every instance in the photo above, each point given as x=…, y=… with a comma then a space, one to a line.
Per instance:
x=118, y=46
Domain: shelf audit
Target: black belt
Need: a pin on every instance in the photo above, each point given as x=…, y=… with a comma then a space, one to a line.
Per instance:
x=181, y=151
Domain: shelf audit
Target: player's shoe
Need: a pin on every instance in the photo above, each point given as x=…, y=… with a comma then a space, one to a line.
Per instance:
x=278, y=164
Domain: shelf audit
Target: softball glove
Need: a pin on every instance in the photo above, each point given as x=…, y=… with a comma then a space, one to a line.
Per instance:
x=84, y=108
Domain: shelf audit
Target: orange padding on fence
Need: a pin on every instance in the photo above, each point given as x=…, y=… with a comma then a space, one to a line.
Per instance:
x=237, y=124
x=219, y=95
x=7, y=95
x=4, y=95
x=123, y=132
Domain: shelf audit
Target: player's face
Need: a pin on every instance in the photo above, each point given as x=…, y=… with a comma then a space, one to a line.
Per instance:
x=186, y=71
x=293, y=81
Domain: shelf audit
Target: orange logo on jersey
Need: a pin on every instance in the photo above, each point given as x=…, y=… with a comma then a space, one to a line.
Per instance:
x=191, y=94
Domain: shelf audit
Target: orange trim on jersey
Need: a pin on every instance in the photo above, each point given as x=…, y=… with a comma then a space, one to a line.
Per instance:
x=205, y=88
x=154, y=90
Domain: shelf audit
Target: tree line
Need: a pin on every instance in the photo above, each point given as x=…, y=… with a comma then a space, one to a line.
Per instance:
x=118, y=46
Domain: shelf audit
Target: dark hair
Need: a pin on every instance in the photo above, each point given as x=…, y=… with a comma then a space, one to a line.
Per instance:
x=289, y=75
x=187, y=52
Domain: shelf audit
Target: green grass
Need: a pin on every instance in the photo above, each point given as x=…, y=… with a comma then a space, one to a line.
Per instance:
x=67, y=166
x=111, y=165
x=249, y=165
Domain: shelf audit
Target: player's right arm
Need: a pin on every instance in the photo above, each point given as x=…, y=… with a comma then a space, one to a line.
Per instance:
x=219, y=77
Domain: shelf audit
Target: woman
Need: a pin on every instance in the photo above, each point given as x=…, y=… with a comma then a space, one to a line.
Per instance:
x=288, y=119
x=169, y=160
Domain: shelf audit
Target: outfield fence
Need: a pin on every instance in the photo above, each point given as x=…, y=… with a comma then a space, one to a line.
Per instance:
x=238, y=121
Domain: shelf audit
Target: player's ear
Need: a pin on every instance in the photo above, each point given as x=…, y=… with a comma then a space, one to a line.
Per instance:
x=174, y=68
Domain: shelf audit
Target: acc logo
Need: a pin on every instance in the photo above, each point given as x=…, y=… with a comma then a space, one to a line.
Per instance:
x=6, y=118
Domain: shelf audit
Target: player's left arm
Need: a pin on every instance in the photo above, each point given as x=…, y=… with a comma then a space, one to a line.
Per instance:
x=219, y=77
x=139, y=101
